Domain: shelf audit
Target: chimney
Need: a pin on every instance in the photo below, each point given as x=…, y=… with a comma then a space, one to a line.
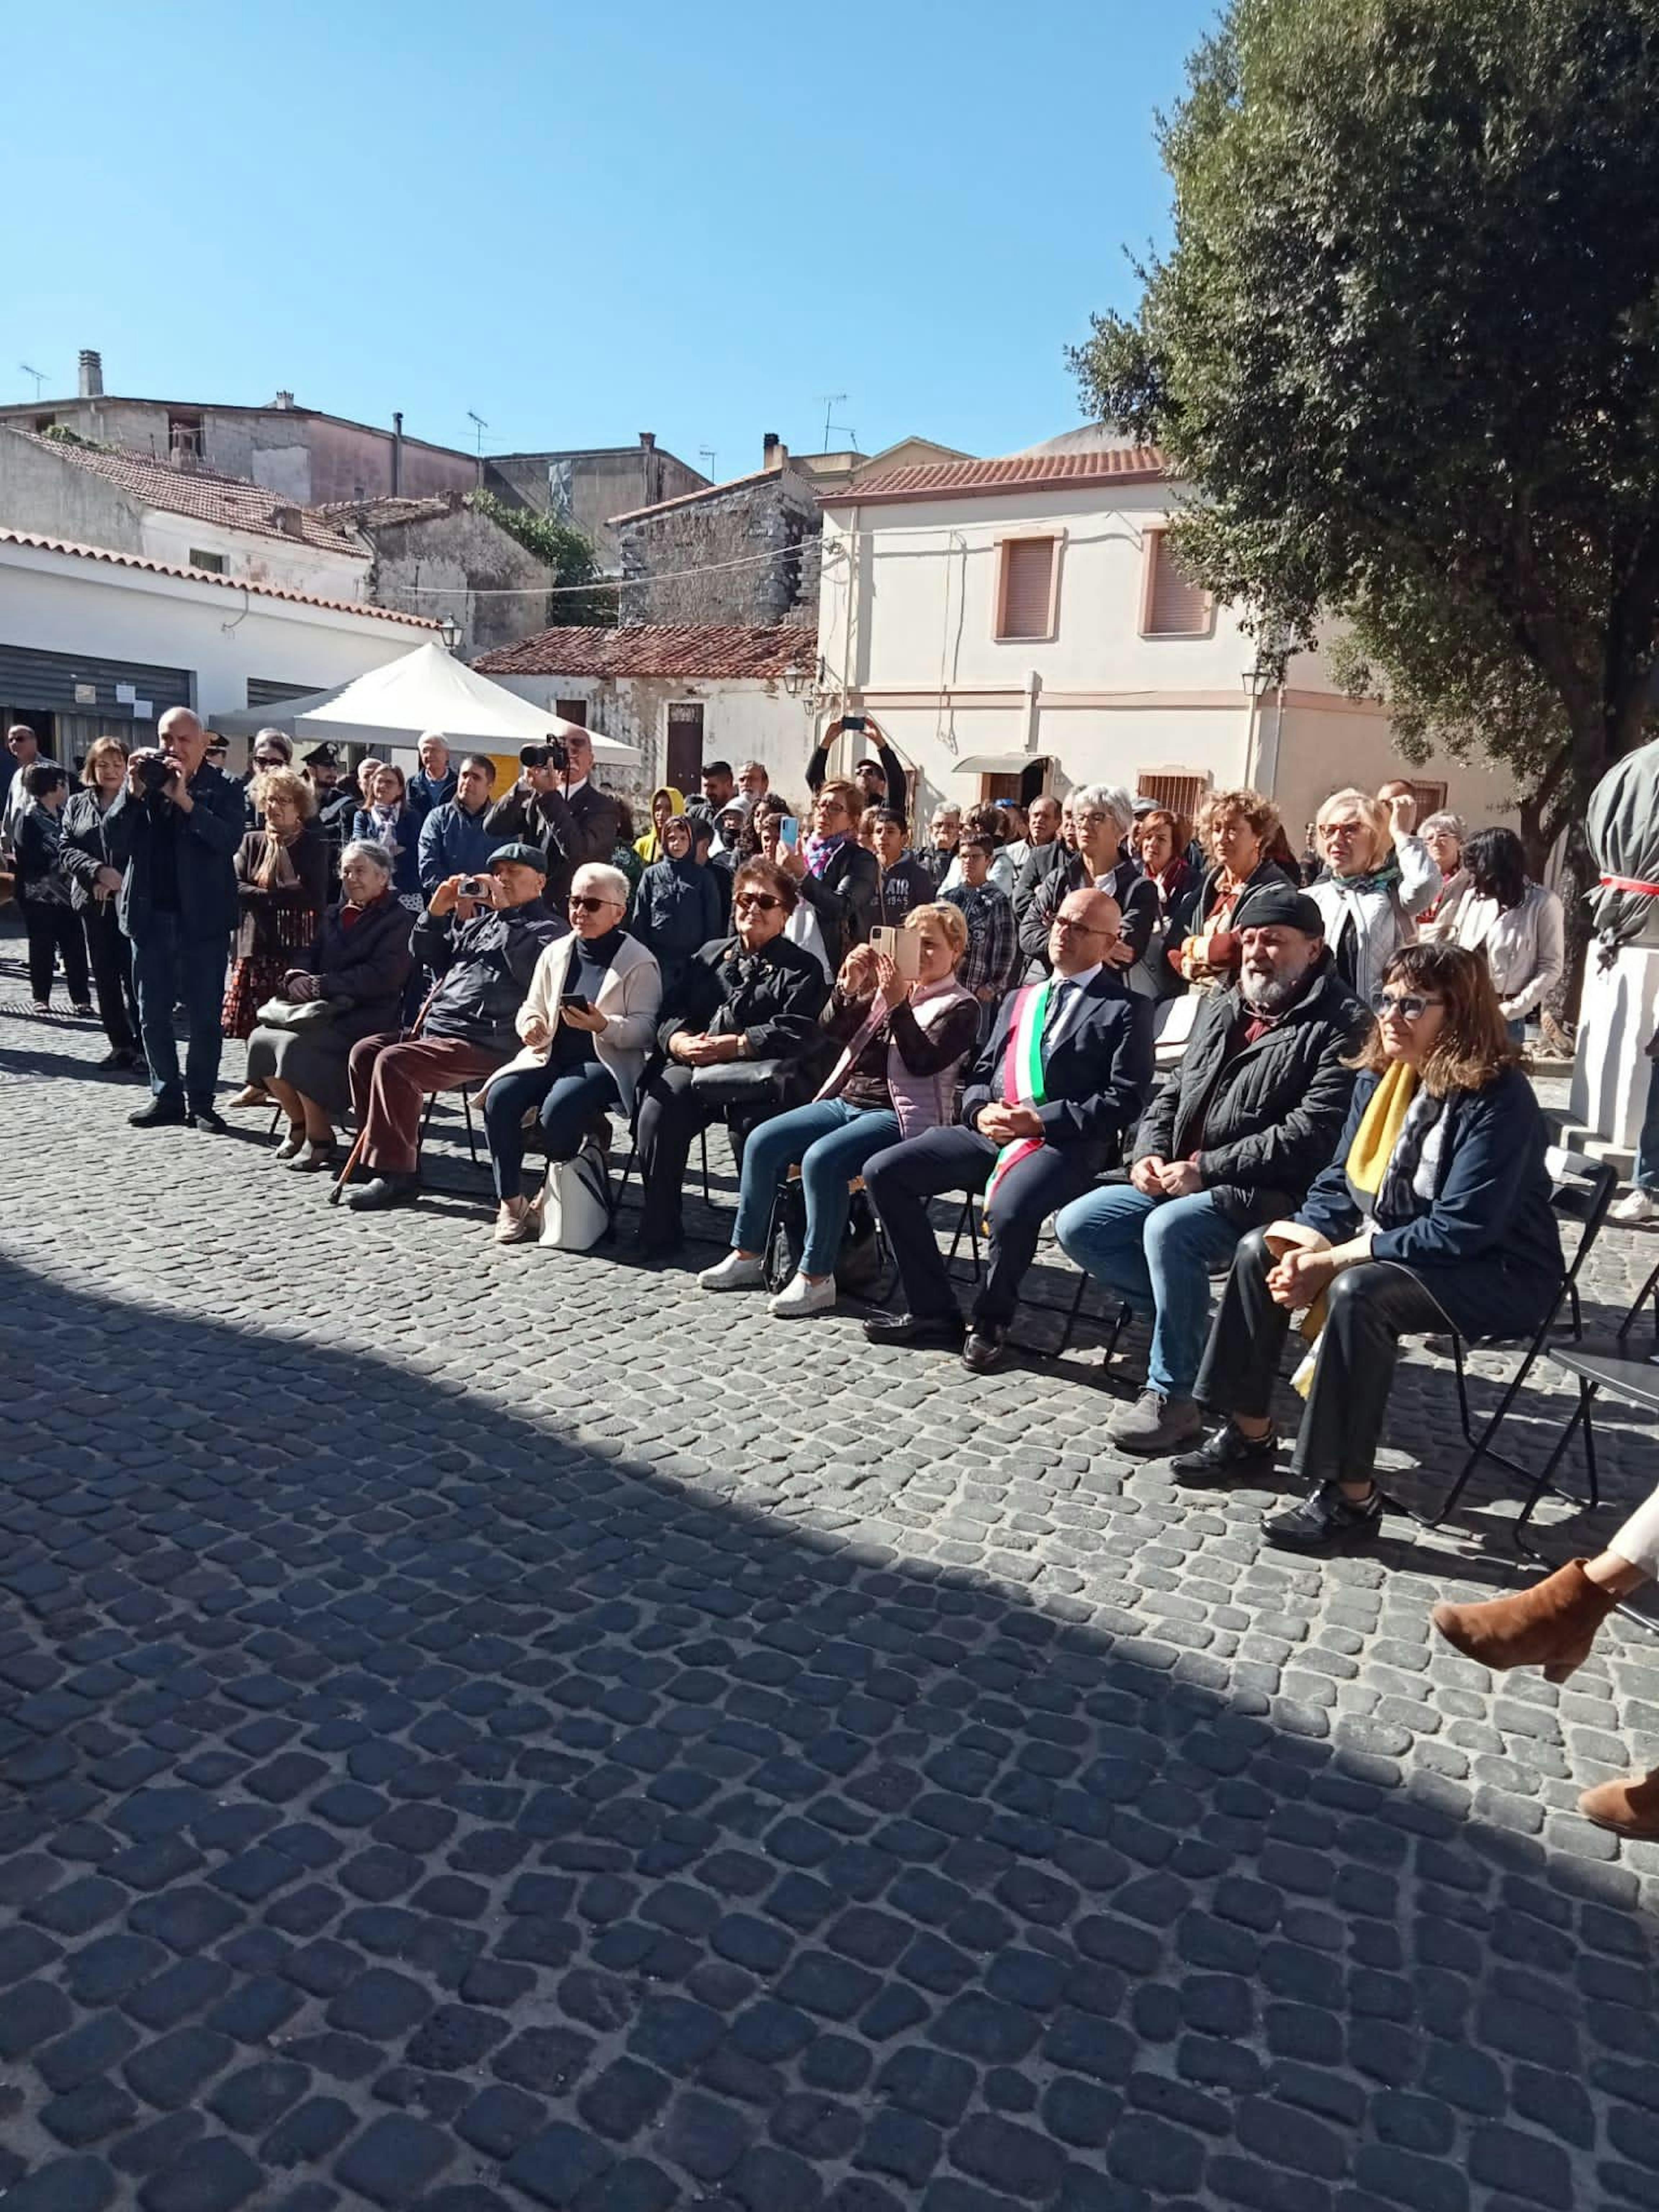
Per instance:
x=288, y=520
x=647, y=439
x=284, y=400
x=769, y=449
x=396, y=454
x=92, y=373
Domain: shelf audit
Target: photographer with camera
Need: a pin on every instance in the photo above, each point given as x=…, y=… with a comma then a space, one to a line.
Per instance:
x=556, y=806
x=174, y=831
x=481, y=936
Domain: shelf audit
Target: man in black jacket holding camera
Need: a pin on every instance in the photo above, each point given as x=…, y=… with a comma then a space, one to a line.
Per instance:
x=555, y=805
x=172, y=830
x=482, y=935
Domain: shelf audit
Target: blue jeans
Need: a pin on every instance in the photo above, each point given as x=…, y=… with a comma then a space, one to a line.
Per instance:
x=566, y=1103
x=168, y=969
x=1156, y=1253
x=830, y=1142
x=1647, y=1144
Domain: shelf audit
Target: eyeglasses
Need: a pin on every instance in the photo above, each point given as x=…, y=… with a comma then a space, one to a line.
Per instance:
x=763, y=900
x=1406, y=1005
x=590, y=905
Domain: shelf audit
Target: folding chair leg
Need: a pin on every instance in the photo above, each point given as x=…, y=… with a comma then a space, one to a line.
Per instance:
x=471, y=1134
x=702, y=1140
x=1124, y=1314
x=1071, y=1318
x=1462, y=1391
x=1581, y=1416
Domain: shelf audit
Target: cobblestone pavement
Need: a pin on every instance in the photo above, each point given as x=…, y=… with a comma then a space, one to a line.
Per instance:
x=494, y=1729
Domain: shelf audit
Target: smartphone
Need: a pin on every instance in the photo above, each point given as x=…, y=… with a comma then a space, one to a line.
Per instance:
x=903, y=947
x=576, y=1004
x=789, y=831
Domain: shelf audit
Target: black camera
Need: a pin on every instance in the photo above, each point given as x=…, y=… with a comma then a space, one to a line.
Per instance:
x=156, y=771
x=549, y=754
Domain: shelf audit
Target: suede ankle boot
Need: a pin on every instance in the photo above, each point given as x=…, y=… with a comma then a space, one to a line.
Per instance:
x=1552, y=1626
x=1630, y=1807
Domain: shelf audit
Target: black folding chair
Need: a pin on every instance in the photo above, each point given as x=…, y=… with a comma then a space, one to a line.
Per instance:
x=464, y=1092
x=1582, y=1192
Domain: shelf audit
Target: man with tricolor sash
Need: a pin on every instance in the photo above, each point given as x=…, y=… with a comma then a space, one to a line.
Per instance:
x=1067, y=1072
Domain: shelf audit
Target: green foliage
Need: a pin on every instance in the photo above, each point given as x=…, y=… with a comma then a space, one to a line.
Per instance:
x=1406, y=346
x=560, y=546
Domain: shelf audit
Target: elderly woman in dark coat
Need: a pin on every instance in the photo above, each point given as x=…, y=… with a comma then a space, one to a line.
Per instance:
x=354, y=975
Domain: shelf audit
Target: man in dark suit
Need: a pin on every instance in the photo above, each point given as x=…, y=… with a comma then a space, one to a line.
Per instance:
x=172, y=829
x=1067, y=1072
x=839, y=880
x=562, y=812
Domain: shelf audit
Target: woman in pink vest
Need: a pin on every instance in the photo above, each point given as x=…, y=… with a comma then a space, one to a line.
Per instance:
x=902, y=1046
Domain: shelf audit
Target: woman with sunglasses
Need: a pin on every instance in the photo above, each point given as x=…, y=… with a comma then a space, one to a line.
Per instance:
x=1377, y=879
x=1435, y=1214
x=738, y=1037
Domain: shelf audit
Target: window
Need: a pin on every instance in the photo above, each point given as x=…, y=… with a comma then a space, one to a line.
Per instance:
x=213, y=562
x=184, y=437
x=1180, y=791
x=45, y=422
x=572, y=710
x=1025, y=589
x=1430, y=799
x=1171, y=606
x=273, y=691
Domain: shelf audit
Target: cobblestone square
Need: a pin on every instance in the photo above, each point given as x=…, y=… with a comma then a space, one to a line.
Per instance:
x=497, y=1729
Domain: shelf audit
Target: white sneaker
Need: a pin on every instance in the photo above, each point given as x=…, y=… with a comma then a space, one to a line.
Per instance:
x=798, y=1297
x=1640, y=1207
x=734, y=1272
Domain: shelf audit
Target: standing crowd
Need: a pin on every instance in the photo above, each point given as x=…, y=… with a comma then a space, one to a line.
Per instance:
x=1203, y=1069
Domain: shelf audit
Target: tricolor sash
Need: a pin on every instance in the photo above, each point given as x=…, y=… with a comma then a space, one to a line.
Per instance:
x=1022, y=1077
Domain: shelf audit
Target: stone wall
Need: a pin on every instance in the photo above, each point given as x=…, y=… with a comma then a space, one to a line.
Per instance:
x=587, y=489
x=465, y=558
x=776, y=516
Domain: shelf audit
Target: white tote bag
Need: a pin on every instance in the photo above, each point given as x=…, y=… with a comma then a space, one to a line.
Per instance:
x=575, y=1203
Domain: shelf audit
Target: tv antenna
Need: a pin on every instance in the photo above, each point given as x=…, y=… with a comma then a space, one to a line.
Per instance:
x=480, y=425
x=831, y=401
x=40, y=378
x=707, y=454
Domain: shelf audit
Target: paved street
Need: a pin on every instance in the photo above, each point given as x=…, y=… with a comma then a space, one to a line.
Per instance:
x=490, y=1729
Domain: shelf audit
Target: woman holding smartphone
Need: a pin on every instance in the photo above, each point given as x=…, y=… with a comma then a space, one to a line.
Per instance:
x=777, y=839
x=588, y=1022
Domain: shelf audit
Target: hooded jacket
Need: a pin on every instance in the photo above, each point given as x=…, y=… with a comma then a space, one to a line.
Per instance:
x=677, y=910
x=649, y=848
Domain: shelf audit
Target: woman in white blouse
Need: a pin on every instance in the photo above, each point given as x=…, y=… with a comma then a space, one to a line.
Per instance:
x=1517, y=924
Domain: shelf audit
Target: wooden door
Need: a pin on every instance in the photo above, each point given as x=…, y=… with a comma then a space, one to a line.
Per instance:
x=684, y=769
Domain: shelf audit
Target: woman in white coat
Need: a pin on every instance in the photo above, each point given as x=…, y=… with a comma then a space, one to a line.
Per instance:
x=1518, y=924
x=588, y=1023
x=1378, y=877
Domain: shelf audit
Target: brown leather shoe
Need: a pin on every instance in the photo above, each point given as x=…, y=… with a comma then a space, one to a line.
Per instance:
x=1552, y=1626
x=1630, y=1807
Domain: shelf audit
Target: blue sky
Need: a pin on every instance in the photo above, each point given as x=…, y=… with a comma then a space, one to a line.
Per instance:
x=582, y=223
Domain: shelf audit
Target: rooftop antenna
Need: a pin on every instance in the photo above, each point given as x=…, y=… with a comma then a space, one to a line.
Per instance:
x=707, y=454
x=40, y=378
x=831, y=401
x=481, y=425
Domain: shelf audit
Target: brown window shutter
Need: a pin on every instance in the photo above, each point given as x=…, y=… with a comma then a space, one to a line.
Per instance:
x=1027, y=569
x=1178, y=795
x=1174, y=607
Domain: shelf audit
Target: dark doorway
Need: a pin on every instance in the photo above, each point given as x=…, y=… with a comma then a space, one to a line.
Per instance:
x=684, y=769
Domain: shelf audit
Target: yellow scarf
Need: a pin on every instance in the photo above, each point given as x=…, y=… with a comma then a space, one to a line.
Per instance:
x=1367, y=1163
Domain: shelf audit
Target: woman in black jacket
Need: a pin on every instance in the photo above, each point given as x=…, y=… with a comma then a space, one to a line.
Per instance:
x=355, y=970
x=676, y=906
x=94, y=883
x=1435, y=1214
x=43, y=889
x=739, y=1037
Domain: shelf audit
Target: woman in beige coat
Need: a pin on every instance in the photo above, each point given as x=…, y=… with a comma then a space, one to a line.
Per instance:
x=588, y=1023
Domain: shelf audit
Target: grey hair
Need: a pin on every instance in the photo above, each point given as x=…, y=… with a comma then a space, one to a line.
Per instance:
x=276, y=737
x=611, y=881
x=368, y=849
x=1112, y=798
x=1453, y=824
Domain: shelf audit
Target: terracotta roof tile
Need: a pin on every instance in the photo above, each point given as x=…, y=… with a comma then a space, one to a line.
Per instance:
x=1014, y=472
x=207, y=576
x=682, y=649
x=228, y=502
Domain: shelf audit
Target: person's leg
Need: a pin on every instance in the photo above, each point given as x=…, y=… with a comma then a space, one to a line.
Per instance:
x=106, y=956
x=669, y=1118
x=1185, y=1239
x=202, y=982
x=831, y=1162
x=1033, y=1188
x=573, y=1102
x=1104, y=1232
x=901, y=1181
x=156, y=974
x=1646, y=1174
x=1367, y=1310
x=360, y=1071
x=506, y=1102
x=291, y=1104
x=775, y=1147
x=1235, y=1374
x=72, y=949
x=37, y=928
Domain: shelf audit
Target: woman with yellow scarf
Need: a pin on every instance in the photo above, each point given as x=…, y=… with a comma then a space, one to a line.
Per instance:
x=1435, y=1214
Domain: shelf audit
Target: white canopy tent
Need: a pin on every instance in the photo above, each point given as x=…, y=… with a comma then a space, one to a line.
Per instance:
x=426, y=689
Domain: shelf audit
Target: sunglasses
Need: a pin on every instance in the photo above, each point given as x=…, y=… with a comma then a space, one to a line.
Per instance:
x=763, y=900
x=1408, y=1005
x=590, y=905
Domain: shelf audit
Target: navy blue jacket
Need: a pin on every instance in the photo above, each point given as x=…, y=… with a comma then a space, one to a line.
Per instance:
x=208, y=837
x=676, y=911
x=455, y=843
x=1486, y=1246
x=406, y=870
x=1097, y=1079
x=424, y=793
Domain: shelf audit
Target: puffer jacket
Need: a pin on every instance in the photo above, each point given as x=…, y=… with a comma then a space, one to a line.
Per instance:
x=676, y=909
x=485, y=966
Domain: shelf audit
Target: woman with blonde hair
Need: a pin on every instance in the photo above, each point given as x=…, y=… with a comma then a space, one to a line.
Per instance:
x=94, y=883
x=281, y=883
x=1376, y=879
x=1434, y=1215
